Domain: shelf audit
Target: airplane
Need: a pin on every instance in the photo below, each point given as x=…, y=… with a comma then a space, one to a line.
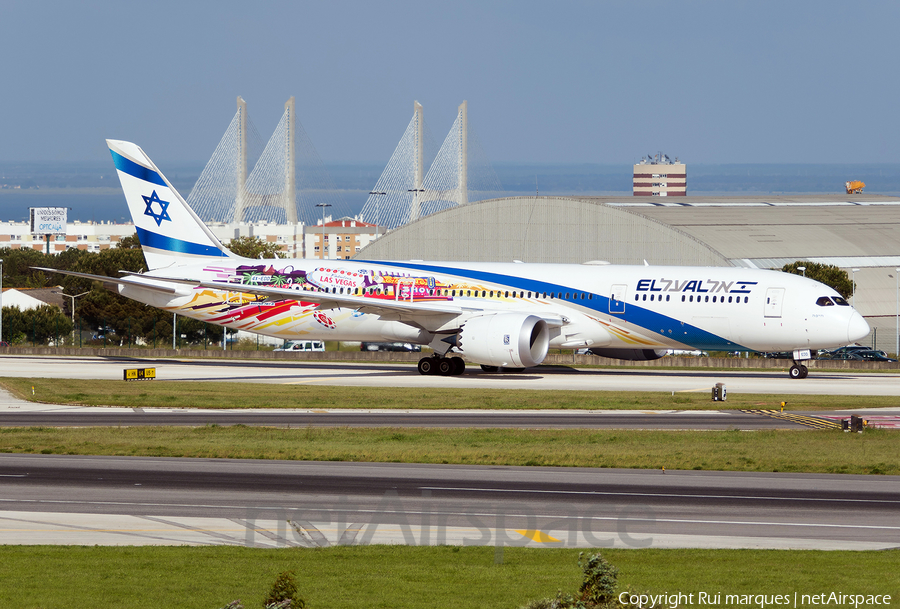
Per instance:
x=499, y=315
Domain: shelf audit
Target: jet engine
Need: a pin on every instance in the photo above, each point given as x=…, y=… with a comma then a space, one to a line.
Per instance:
x=511, y=340
x=635, y=355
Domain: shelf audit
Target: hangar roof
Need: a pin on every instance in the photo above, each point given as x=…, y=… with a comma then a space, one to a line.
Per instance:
x=772, y=231
x=542, y=229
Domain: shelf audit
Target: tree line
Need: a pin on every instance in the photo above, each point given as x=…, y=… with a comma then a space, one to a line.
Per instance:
x=101, y=316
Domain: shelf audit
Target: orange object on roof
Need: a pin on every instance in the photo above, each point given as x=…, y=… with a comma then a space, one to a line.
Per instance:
x=854, y=187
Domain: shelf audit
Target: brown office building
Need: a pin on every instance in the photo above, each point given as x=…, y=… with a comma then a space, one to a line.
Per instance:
x=657, y=176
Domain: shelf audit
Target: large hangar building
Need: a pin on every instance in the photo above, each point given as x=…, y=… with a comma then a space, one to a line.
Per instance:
x=859, y=233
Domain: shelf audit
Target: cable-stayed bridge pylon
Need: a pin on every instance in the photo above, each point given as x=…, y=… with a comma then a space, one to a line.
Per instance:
x=459, y=173
x=287, y=182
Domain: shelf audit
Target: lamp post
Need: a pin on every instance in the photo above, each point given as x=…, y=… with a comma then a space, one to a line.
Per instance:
x=73, y=301
x=376, y=192
x=418, y=212
x=73, y=306
x=802, y=269
x=897, y=319
x=323, y=206
x=853, y=280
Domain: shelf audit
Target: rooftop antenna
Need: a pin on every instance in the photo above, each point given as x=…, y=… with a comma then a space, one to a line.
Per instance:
x=535, y=185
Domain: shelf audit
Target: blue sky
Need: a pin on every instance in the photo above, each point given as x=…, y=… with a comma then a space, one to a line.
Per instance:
x=547, y=82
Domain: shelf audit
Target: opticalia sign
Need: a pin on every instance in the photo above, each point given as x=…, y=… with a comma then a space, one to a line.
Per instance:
x=48, y=220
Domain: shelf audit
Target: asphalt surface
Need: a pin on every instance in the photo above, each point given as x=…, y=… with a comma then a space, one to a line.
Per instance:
x=116, y=500
x=552, y=378
x=576, y=506
x=122, y=417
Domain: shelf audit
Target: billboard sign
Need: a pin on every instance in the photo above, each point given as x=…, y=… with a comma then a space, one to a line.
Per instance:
x=48, y=220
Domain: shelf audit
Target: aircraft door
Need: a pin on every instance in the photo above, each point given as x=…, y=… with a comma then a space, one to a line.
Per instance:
x=617, y=298
x=774, y=300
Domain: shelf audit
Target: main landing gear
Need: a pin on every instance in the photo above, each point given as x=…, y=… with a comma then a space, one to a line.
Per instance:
x=445, y=366
x=798, y=371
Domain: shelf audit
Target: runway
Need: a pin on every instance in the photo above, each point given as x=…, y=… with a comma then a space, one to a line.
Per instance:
x=72, y=416
x=121, y=500
x=56, y=499
x=551, y=378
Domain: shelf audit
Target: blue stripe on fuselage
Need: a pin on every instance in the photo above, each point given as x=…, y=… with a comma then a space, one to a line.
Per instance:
x=133, y=169
x=162, y=242
x=658, y=323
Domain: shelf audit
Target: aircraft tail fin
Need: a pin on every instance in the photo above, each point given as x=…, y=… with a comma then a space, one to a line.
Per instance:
x=168, y=229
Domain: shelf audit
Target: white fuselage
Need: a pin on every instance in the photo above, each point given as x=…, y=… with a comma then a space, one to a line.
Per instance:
x=608, y=306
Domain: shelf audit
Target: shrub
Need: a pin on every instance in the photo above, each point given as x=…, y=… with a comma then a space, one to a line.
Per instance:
x=284, y=589
x=600, y=579
x=597, y=590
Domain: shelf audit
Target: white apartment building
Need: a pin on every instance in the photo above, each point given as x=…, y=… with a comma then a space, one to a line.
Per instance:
x=344, y=238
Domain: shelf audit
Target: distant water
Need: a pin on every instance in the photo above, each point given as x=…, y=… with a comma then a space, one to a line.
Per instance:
x=356, y=180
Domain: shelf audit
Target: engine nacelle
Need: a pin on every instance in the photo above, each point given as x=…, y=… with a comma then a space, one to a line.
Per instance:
x=511, y=340
x=634, y=355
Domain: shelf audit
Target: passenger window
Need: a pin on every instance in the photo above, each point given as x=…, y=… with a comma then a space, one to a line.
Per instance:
x=824, y=301
x=667, y=297
x=746, y=299
x=637, y=297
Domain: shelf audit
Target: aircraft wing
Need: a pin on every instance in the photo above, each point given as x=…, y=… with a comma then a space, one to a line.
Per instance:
x=383, y=307
x=133, y=280
x=401, y=310
x=325, y=300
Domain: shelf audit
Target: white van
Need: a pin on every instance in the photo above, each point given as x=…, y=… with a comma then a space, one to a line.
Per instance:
x=302, y=345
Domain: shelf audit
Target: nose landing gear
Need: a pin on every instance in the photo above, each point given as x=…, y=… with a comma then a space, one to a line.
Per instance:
x=798, y=371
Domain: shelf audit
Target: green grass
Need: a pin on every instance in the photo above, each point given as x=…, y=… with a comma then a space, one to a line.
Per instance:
x=191, y=394
x=819, y=451
x=57, y=577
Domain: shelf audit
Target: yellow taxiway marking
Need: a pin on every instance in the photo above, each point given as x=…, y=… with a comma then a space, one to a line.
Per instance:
x=806, y=420
x=312, y=380
x=538, y=536
x=701, y=390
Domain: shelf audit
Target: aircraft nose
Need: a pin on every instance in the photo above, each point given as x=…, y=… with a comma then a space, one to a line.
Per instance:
x=857, y=329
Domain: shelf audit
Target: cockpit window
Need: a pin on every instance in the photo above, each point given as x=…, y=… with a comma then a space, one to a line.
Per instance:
x=840, y=301
x=824, y=301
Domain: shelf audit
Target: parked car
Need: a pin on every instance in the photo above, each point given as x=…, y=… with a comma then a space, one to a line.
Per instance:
x=871, y=355
x=849, y=349
x=389, y=347
x=3, y=343
x=683, y=352
x=302, y=345
x=840, y=356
